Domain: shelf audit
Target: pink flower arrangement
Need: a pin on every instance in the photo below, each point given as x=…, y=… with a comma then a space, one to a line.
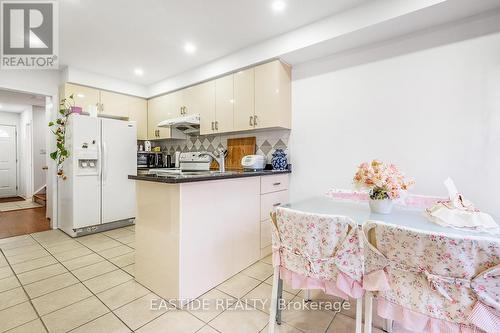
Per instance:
x=384, y=181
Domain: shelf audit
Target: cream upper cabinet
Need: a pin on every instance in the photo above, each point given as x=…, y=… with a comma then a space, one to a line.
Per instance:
x=224, y=104
x=244, y=99
x=134, y=108
x=177, y=107
x=110, y=103
x=272, y=95
x=84, y=97
x=201, y=99
x=158, y=110
x=114, y=104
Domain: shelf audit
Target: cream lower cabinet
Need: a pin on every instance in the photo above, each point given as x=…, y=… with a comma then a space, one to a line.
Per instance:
x=134, y=108
x=274, y=192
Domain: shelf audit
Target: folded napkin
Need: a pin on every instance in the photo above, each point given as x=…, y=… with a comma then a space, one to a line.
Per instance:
x=457, y=212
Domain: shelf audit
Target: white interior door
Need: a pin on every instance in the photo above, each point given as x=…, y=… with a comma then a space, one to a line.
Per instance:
x=119, y=160
x=8, y=168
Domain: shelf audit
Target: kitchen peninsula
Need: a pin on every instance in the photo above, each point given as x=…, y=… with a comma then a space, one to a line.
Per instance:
x=194, y=231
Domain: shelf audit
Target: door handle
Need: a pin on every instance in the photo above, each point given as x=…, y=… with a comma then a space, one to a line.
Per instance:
x=104, y=163
x=276, y=184
x=213, y=128
x=251, y=121
x=277, y=204
x=216, y=125
x=45, y=168
x=255, y=120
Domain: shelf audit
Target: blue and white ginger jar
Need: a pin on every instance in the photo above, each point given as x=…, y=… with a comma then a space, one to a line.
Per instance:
x=279, y=160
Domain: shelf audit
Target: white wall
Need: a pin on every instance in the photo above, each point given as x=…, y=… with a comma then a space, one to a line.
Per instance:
x=40, y=130
x=9, y=118
x=25, y=141
x=434, y=112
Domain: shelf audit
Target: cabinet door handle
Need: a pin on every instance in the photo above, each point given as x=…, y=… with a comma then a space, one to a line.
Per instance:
x=277, y=204
x=216, y=125
x=213, y=126
x=276, y=184
x=251, y=121
x=255, y=120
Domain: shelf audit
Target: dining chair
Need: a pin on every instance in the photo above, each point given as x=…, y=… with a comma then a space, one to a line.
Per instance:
x=430, y=282
x=315, y=251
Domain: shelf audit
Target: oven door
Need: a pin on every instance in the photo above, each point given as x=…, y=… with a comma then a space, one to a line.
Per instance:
x=142, y=160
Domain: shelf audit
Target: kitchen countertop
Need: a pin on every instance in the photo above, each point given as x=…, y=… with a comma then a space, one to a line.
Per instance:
x=204, y=176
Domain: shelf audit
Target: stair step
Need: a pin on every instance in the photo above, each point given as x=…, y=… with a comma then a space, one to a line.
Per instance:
x=40, y=198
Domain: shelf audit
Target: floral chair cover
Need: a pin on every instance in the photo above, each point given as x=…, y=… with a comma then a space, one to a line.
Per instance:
x=433, y=282
x=317, y=251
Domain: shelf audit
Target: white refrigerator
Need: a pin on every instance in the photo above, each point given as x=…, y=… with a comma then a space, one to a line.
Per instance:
x=97, y=194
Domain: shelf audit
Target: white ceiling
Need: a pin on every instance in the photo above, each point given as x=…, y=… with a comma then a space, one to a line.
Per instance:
x=11, y=101
x=113, y=37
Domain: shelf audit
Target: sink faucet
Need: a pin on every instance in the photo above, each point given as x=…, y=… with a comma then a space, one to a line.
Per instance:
x=219, y=159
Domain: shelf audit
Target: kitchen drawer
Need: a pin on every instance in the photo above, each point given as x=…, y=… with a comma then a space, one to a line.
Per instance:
x=270, y=200
x=273, y=183
x=265, y=234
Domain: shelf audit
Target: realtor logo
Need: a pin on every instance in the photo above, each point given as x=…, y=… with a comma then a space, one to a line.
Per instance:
x=29, y=34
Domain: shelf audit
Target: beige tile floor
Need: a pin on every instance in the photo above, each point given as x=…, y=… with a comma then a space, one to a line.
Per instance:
x=50, y=282
x=17, y=205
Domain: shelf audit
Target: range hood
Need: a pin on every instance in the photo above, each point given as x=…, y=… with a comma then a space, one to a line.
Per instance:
x=189, y=125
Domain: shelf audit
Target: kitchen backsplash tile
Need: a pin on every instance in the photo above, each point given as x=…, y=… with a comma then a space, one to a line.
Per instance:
x=266, y=142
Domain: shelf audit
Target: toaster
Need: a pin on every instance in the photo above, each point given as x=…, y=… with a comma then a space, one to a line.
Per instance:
x=253, y=162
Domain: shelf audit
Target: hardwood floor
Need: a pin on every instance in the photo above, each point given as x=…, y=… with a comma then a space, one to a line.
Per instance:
x=21, y=222
x=11, y=199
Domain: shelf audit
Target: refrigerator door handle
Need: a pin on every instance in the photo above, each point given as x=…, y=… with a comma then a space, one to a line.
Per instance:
x=104, y=160
x=99, y=164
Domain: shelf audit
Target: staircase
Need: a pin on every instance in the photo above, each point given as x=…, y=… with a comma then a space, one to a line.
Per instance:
x=40, y=197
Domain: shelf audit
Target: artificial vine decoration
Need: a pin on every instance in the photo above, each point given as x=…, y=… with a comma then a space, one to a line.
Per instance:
x=59, y=129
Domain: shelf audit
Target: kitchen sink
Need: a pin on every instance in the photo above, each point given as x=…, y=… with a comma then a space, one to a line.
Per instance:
x=191, y=174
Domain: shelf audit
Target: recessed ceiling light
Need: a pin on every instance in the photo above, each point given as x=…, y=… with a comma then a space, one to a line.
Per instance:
x=138, y=72
x=278, y=5
x=80, y=95
x=190, y=48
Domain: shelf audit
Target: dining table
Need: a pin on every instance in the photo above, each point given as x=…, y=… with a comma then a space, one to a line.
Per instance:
x=359, y=212
x=402, y=216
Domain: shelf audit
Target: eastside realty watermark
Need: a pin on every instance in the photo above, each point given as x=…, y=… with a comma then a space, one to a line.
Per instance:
x=246, y=304
x=29, y=34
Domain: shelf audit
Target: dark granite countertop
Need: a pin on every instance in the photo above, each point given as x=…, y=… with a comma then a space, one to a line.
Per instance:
x=190, y=177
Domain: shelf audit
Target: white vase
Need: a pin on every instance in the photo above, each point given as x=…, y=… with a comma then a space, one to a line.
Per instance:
x=381, y=206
